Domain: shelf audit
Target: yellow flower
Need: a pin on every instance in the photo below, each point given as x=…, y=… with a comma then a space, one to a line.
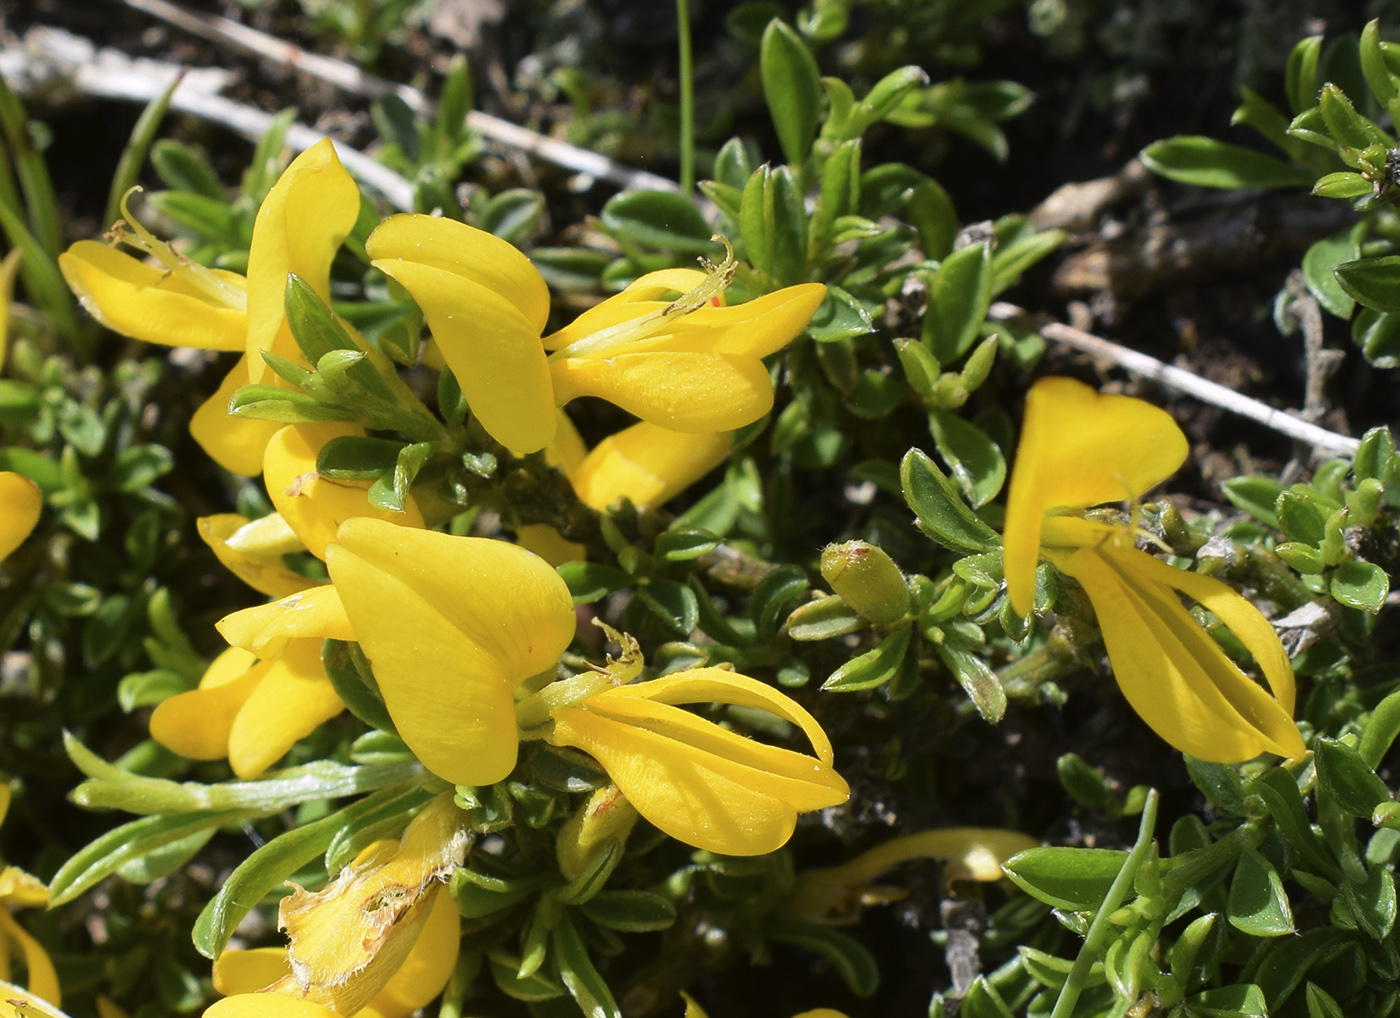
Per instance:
x=700, y=783
x=1080, y=449
x=299, y=227
x=21, y=890
x=682, y=364
x=837, y=893
x=380, y=941
x=270, y=688
x=458, y=629
x=648, y=464
x=20, y=503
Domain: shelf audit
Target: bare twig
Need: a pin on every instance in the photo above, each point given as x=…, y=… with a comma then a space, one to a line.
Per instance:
x=352, y=79
x=1182, y=381
x=51, y=62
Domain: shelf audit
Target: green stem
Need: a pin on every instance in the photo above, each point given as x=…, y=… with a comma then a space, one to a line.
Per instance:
x=1098, y=929
x=687, y=84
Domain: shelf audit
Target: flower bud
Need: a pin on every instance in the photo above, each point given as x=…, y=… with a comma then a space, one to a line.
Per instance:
x=867, y=579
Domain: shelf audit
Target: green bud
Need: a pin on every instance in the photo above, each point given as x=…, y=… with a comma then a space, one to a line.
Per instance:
x=868, y=580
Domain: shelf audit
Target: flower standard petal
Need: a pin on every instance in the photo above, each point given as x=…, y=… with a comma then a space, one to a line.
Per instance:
x=688, y=391
x=267, y=1005
x=1079, y=448
x=451, y=625
x=294, y=697
x=468, y=253
x=648, y=464
x=1171, y=672
x=299, y=227
x=310, y=504
x=21, y=501
x=151, y=304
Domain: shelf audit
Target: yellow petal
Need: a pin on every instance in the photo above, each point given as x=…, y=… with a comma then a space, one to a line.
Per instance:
x=1172, y=673
x=492, y=348
x=681, y=391
x=266, y=628
x=428, y=966
x=235, y=443
x=700, y=783
x=42, y=979
x=550, y=545
x=250, y=971
x=267, y=1005
x=756, y=329
x=8, y=268
x=349, y=939
x=300, y=226
x=149, y=303
x=451, y=625
x=648, y=464
x=311, y=505
x=566, y=450
x=196, y=725
x=20, y=504
x=1079, y=448
x=468, y=253
x=265, y=575
x=647, y=294
x=21, y=889
x=294, y=697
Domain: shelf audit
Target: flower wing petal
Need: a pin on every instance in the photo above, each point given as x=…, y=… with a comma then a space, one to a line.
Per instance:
x=1079, y=448
x=265, y=629
x=291, y=701
x=235, y=443
x=648, y=464
x=687, y=391
x=150, y=304
x=196, y=725
x=264, y=576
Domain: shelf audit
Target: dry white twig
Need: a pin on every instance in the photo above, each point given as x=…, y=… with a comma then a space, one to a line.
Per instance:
x=53, y=63
x=352, y=79
x=1182, y=381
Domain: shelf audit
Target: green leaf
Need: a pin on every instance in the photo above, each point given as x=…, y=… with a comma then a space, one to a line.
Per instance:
x=1321, y=1004
x=391, y=490
x=983, y=1001
x=839, y=316
x=576, y=969
x=145, y=689
x=183, y=170
x=1373, y=66
x=1076, y=879
x=1287, y=960
x=942, y=513
x=1381, y=729
x=1342, y=184
x=357, y=458
x=683, y=544
x=823, y=619
x=1300, y=74
x=853, y=963
x=1361, y=585
x=1258, y=904
x=1374, y=282
x=1344, y=779
x=1319, y=261
x=1372, y=902
x=533, y=988
x=1238, y=1001
x=976, y=678
x=873, y=668
x=630, y=911
x=354, y=684
x=1279, y=790
x=792, y=88
x=975, y=460
x=674, y=604
x=1300, y=517
x=658, y=219
x=1254, y=495
x=514, y=214
x=1206, y=162
x=1347, y=126
x=1082, y=781
x=589, y=581
x=1378, y=336
x=1220, y=783
x=958, y=302
x=770, y=600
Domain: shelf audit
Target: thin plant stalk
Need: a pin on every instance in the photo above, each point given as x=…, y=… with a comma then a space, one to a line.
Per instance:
x=1098, y=929
x=687, y=84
